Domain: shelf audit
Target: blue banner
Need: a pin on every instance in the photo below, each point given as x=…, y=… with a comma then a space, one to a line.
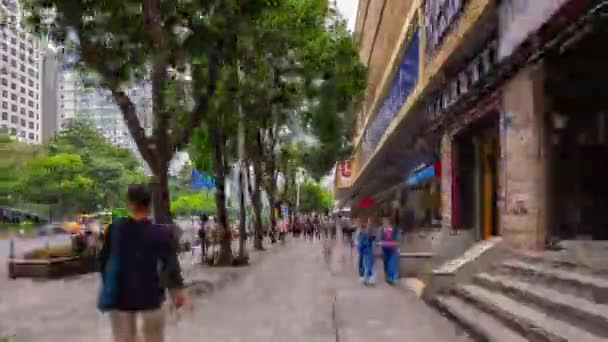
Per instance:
x=401, y=87
x=418, y=177
x=202, y=181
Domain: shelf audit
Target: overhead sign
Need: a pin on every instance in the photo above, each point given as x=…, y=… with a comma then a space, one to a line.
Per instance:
x=401, y=87
x=202, y=181
x=520, y=18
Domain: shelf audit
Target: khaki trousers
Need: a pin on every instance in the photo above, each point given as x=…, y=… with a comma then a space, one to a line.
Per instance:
x=124, y=325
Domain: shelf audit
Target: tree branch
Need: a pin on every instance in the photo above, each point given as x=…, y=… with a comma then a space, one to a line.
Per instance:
x=93, y=54
x=152, y=23
x=201, y=106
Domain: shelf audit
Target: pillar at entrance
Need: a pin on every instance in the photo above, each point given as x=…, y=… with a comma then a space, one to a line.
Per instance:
x=523, y=207
x=446, y=181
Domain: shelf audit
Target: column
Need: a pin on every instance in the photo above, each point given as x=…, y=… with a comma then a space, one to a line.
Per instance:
x=446, y=181
x=523, y=208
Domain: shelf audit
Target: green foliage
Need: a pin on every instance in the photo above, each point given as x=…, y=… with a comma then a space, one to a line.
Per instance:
x=193, y=203
x=314, y=198
x=75, y=171
x=59, y=179
x=15, y=157
x=111, y=167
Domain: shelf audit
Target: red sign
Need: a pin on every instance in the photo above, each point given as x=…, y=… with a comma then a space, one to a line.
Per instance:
x=437, y=166
x=366, y=203
x=345, y=168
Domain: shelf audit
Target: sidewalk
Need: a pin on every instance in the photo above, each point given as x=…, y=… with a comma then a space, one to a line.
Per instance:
x=58, y=310
x=382, y=312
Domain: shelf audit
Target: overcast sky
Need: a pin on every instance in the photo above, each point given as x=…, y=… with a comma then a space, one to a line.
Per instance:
x=348, y=8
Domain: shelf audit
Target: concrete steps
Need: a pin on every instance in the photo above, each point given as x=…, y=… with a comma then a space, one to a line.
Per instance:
x=480, y=324
x=578, y=282
x=524, y=300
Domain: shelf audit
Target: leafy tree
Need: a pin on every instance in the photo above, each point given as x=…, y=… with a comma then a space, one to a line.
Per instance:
x=193, y=203
x=111, y=167
x=178, y=47
x=295, y=76
x=314, y=198
x=15, y=158
x=59, y=180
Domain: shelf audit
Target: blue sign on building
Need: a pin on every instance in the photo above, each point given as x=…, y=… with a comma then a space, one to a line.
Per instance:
x=418, y=177
x=202, y=181
x=401, y=87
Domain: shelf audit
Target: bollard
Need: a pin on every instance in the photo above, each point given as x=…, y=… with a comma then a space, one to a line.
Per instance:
x=11, y=261
x=11, y=251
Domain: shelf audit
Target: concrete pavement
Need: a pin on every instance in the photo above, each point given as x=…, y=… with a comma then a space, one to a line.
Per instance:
x=290, y=294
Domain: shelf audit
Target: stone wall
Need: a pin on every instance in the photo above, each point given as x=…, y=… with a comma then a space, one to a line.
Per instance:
x=524, y=210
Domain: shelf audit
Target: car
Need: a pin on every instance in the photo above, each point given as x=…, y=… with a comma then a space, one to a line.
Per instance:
x=51, y=229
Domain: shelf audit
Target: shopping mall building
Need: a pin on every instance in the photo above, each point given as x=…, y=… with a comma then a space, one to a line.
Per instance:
x=483, y=118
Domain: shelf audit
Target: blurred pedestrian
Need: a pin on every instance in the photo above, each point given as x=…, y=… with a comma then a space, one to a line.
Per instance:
x=365, y=247
x=202, y=236
x=390, y=251
x=133, y=284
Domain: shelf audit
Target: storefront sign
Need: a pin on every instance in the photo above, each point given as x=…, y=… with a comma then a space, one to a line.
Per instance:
x=439, y=17
x=519, y=18
x=401, y=87
x=345, y=168
x=463, y=82
x=422, y=175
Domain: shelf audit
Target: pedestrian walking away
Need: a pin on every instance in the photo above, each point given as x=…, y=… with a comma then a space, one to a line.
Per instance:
x=390, y=251
x=365, y=244
x=133, y=284
x=202, y=236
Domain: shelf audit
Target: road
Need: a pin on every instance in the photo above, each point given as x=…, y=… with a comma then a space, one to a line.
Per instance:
x=292, y=294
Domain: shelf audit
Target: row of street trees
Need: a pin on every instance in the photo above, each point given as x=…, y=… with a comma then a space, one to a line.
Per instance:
x=278, y=73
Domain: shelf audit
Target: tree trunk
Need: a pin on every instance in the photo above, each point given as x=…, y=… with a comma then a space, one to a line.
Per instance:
x=243, y=215
x=160, y=195
x=273, y=209
x=256, y=200
x=225, y=254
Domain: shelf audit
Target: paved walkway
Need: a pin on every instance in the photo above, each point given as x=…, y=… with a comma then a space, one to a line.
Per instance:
x=292, y=294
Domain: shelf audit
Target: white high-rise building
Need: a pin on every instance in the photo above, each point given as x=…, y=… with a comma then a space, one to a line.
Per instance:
x=20, y=77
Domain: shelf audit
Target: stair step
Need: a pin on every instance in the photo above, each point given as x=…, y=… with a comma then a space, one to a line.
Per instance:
x=535, y=324
x=566, y=261
x=579, y=311
x=480, y=324
x=591, y=286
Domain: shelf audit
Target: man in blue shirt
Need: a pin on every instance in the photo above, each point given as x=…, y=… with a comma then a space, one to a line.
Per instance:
x=138, y=263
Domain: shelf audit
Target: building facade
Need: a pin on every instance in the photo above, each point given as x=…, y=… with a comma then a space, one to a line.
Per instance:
x=21, y=61
x=50, y=94
x=480, y=118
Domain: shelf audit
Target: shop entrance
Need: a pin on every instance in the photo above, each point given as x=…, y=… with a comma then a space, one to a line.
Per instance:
x=475, y=178
x=578, y=124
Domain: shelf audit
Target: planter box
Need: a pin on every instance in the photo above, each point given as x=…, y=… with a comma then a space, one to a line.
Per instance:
x=50, y=268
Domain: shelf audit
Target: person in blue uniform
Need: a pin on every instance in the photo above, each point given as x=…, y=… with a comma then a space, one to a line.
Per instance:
x=390, y=251
x=365, y=243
